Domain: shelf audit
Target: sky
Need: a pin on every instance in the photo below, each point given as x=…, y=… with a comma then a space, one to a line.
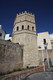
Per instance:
x=42, y=9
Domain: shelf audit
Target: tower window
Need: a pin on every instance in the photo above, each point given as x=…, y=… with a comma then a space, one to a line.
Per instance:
x=28, y=27
x=17, y=28
x=32, y=28
x=44, y=41
x=22, y=27
x=0, y=34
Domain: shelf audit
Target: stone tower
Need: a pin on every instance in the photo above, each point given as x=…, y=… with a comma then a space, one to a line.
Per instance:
x=24, y=32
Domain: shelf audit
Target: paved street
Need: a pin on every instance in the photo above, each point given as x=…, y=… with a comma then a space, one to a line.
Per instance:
x=41, y=76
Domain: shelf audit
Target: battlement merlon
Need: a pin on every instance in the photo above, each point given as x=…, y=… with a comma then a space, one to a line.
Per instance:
x=24, y=16
x=25, y=13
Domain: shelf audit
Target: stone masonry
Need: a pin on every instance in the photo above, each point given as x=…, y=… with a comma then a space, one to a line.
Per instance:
x=23, y=50
x=10, y=56
x=24, y=33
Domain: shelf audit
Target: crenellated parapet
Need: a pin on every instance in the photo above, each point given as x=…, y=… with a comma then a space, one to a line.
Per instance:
x=24, y=16
x=25, y=13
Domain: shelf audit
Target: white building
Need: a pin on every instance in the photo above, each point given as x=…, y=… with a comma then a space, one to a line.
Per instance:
x=2, y=33
x=51, y=37
x=8, y=37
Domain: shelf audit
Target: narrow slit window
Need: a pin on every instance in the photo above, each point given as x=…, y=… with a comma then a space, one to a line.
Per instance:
x=22, y=27
x=28, y=27
x=32, y=28
x=17, y=28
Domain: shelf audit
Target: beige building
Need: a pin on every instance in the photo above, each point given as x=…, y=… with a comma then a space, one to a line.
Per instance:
x=24, y=33
x=40, y=40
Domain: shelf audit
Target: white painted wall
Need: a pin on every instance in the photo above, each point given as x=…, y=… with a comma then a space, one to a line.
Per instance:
x=51, y=37
x=7, y=37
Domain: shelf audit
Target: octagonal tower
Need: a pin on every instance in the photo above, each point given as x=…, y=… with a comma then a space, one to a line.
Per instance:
x=24, y=33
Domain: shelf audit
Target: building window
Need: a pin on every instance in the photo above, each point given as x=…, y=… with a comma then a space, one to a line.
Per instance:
x=32, y=28
x=28, y=27
x=22, y=27
x=10, y=35
x=0, y=34
x=44, y=40
x=17, y=28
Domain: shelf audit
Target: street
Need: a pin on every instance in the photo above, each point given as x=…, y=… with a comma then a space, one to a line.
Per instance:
x=41, y=76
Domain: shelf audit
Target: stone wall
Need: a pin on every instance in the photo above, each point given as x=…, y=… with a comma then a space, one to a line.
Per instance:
x=30, y=53
x=10, y=56
x=24, y=16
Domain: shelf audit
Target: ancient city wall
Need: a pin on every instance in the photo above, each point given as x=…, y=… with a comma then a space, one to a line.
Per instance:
x=10, y=56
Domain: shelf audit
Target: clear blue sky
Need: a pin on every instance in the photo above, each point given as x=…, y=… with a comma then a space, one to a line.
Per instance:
x=43, y=10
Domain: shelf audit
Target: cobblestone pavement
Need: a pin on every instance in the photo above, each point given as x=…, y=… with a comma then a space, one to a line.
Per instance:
x=41, y=76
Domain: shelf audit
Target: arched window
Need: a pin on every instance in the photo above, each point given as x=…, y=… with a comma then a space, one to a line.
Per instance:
x=22, y=27
x=28, y=27
x=32, y=28
x=17, y=28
